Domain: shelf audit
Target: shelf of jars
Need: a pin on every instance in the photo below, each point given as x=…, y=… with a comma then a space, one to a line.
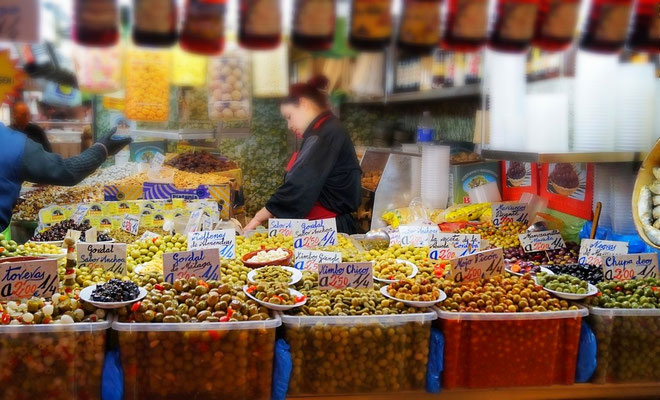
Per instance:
x=472, y=90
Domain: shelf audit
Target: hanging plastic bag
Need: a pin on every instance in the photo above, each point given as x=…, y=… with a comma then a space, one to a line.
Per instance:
x=188, y=69
x=270, y=71
x=282, y=367
x=98, y=69
x=148, y=84
x=436, y=361
x=586, y=360
x=229, y=87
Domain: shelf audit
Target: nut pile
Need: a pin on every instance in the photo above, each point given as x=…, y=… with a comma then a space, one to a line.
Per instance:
x=505, y=235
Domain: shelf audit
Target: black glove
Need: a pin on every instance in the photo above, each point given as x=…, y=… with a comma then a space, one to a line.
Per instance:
x=114, y=144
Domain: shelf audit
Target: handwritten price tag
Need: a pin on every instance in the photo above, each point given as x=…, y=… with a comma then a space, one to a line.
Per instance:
x=80, y=213
x=541, y=241
x=18, y=20
x=464, y=243
x=446, y=253
x=131, y=224
x=207, y=223
x=509, y=212
x=417, y=235
x=202, y=264
x=346, y=275
x=110, y=257
x=310, y=259
x=224, y=240
x=25, y=279
x=148, y=235
x=318, y=233
x=283, y=227
x=194, y=220
x=623, y=267
x=478, y=265
x=157, y=162
x=592, y=250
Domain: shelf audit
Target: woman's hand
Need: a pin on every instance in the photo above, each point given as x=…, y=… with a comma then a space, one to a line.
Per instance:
x=262, y=216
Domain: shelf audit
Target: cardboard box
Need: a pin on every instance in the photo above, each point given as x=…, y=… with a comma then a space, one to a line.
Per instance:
x=466, y=176
x=569, y=188
x=518, y=178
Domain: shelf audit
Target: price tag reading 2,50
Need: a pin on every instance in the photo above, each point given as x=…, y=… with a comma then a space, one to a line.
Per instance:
x=478, y=265
x=346, y=275
x=541, y=241
x=623, y=267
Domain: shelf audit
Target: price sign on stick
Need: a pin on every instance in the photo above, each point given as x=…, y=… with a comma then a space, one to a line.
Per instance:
x=25, y=279
x=224, y=240
x=310, y=259
x=283, y=227
x=448, y=253
x=202, y=264
x=509, y=212
x=623, y=267
x=464, y=243
x=157, y=162
x=79, y=215
x=346, y=275
x=478, y=265
x=541, y=241
x=193, y=221
x=110, y=257
x=318, y=233
x=592, y=250
x=417, y=235
x=130, y=224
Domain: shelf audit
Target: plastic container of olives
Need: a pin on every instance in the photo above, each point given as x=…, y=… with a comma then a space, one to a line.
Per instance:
x=485, y=350
x=217, y=360
x=358, y=354
x=53, y=361
x=627, y=341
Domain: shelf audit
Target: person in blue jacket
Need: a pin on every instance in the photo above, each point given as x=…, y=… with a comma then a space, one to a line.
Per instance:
x=22, y=159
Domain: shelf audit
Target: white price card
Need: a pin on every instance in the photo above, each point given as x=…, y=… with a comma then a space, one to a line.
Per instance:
x=27, y=279
x=202, y=264
x=110, y=257
x=157, y=162
x=207, y=223
x=358, y=275
x=464, y=243
x=479, y=265
x=318, y=233
x=131, y=224
x=91, y=235
x=417, y=235
x=19, y=21
x=509, y=212
x=623, y=267
x=446, y=253
x=224, y=240
x=79, y=215
x=283, y=227
x=592, y=250
x=541, y=241
x=194, y=220
x=148, y=235
x=310, y=259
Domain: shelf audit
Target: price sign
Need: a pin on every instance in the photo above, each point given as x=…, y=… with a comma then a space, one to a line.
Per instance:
x=207, y=223
x=157, y=162
x=318, y=233
x=283, y=227
x=310, y=259
x=202, y=264
x=346, y=275
x=110, y=257
x=148, y=235
x=541, y=241
x=80, y=213
x=447, y=253
x=479, y=265
x=193, y=221
x=417, y=235
x=224, y=240
x=622, y=267
x=509, y=212
x=19, y=20
x=25, y=279
x=592, y=250
x=464, y=243
x=131, y=224
x=91, y=235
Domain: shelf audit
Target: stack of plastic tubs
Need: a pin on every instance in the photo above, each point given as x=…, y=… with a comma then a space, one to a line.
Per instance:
x=358, y=354
x=628, y=344
x=219, y=360
x=55, y=361
x=484, y=350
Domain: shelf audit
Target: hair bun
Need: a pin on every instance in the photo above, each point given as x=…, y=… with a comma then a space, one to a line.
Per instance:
x=319, y=82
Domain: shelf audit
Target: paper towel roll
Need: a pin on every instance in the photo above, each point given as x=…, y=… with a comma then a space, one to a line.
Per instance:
x=435, y=176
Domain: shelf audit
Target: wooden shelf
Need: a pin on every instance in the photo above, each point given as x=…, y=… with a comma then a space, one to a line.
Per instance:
x=473, y=90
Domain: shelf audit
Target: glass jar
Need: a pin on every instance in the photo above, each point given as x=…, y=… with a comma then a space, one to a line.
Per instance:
x=204, y=27
x=419, y=31
x=260, y=24
x=513, y=29
x=466, y=26
x=607, y=25
x=96, y=22
x=313, y=24
x=371, y=24
x=555, y=24
x=154, y=22
x=645, y=35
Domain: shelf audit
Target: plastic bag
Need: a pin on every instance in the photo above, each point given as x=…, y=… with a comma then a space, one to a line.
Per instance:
x=436, y=361
x=586, y=360
x=282, y=366
x=635, y=242
x=112, y=385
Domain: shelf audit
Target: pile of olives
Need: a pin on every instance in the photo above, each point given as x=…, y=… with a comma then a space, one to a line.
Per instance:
x=408, y=253
x=500, y=294
x=33, y=248
x=562, y=283
x=145, y=250
x=590, y=273
x=391, y=269
x=272, y=274
x=60, y=309
x=505, y=235
x=59, y=230
x=273, y=293
x=637, y=293
x=413, y=290
x=9, y=248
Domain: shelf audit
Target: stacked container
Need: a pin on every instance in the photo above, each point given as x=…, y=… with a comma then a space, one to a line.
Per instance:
x=481, y=349
x=628, y=344
x=227, y=360
x=358, y=354
x=54, y=361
